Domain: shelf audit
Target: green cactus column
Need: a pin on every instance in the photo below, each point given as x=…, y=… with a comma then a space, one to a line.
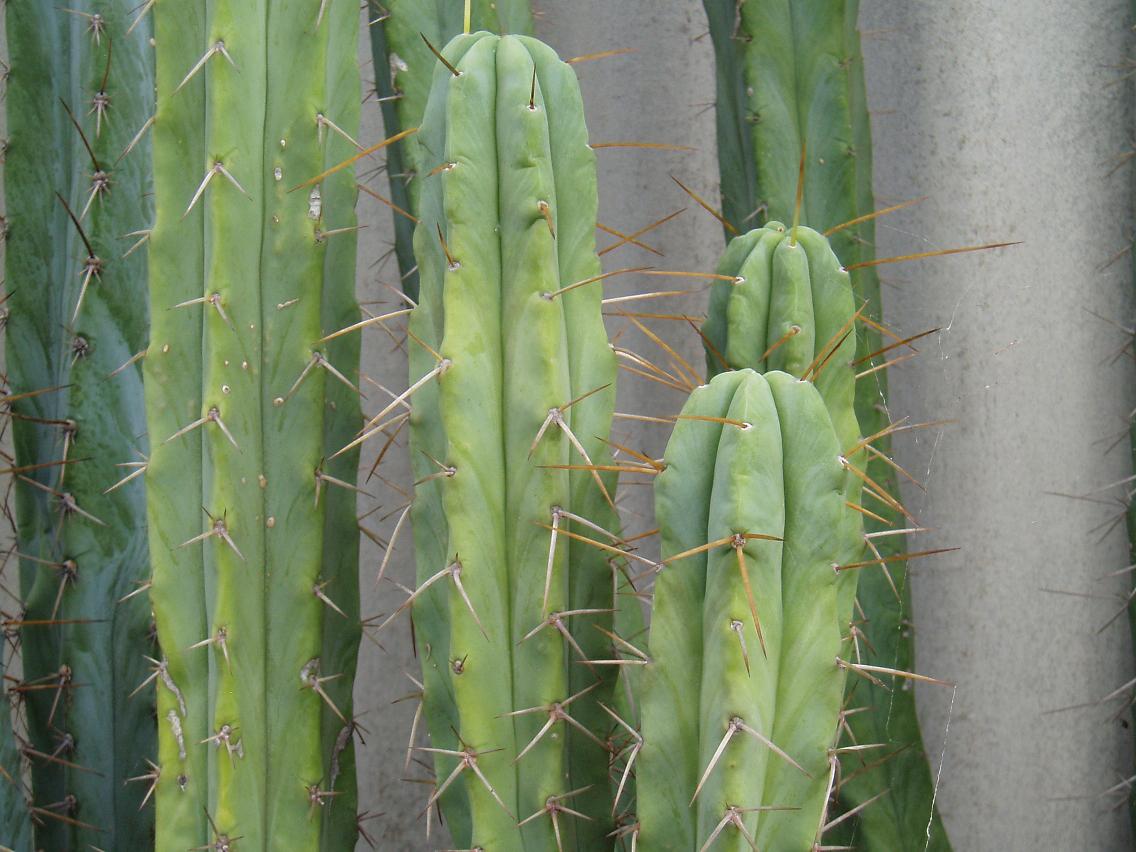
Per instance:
x=404, y=67
x=790, y=75
x=77, y=182
x=251, y=268
x=742, y=697
x=508, y=601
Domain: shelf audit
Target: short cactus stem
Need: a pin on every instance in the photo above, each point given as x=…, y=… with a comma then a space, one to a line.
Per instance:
x=741, y=697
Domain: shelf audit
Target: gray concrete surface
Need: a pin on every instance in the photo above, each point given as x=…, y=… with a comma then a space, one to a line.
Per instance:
x=1009, y=117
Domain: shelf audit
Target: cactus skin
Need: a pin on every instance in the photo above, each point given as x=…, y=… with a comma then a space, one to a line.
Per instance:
x=283, y=281
x=14, y=815
x=790, y=73
x=404, y=69
x=782, y=476
x=510, y=355
x=60, y=56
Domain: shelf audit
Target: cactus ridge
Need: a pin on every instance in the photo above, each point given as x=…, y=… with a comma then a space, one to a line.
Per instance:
x=790, y=77
x=516, y=379
x=79, y=91
x=404, y=68
x=254, y=548
x=750, y=616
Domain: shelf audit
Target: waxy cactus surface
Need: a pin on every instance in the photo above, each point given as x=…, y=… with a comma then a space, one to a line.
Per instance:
x=77, y=185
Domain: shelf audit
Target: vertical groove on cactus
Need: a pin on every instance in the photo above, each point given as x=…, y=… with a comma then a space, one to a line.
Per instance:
x=742, y=698
x=79, y=90
x=339, y=577
x=506, y=609
x=250, y=268
x=791, y=75
x=404, y=67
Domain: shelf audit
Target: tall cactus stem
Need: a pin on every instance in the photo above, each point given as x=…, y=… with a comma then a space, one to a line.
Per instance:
x=247, y=279
x=404, y=68
x=515, y=382
x=79, y=90
x=791, y=75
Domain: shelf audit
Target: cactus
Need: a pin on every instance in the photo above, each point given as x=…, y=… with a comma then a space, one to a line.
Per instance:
x=14, y=814
x=742, y=699
x=512, y=380
x=790, y=75
x=77, y=180
x=253, y=551
x=404, y=67
x=789, y=307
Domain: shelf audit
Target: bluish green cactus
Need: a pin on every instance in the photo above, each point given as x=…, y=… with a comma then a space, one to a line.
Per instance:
x=513, y=387
x=404, y=68
x=77, y=180
x=253, y=549
x=790, y=78
x=743, y=695
x=14, y=814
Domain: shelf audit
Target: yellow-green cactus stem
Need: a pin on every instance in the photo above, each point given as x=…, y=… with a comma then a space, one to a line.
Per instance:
x=251, y=269
x=514, y=385
x=404, y=68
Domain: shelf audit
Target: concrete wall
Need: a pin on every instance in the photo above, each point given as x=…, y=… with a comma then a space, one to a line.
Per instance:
x=1009, y=117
